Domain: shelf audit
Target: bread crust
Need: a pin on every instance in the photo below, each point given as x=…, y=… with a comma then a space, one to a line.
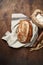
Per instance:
x=24, y=31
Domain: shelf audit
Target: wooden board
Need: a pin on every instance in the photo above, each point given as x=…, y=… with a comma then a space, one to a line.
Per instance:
x=22, y=56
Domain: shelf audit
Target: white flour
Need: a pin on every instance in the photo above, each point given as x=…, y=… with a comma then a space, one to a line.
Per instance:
x=40, y=18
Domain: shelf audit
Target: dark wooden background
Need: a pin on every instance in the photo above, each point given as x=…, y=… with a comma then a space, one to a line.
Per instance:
x=22, y=56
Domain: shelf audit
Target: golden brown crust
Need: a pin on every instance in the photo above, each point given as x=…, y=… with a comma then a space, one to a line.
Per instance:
x=30, y=32
x=24, y=31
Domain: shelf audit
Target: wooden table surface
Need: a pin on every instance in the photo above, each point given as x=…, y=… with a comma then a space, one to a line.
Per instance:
x=21, y=56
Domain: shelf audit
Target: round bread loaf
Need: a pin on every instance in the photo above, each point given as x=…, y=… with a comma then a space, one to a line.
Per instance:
x=24, y=31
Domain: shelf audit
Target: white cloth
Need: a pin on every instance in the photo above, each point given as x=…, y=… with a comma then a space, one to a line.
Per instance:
x=11, y=37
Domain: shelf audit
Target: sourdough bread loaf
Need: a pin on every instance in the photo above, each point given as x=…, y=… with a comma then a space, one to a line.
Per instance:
x=24, y=31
